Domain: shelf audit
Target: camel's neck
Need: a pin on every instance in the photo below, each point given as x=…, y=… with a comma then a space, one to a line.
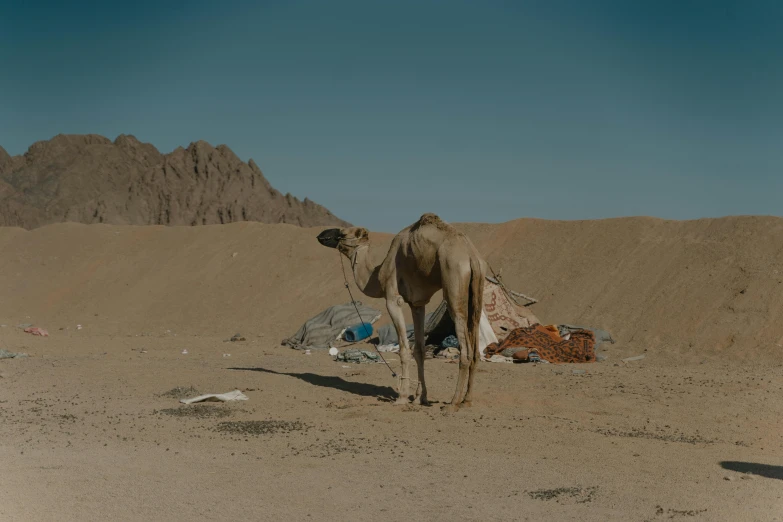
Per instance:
x=365, y=274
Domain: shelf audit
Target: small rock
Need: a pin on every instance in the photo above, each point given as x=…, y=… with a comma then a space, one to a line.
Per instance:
x=728, y=478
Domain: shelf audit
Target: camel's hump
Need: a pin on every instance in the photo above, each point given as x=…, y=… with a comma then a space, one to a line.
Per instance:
x=429, y=219
x=433, y=220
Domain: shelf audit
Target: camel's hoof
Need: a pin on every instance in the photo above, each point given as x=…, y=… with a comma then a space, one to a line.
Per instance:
x=401, y=402
x=450, y=408
x=467, y=404
x=422, y=401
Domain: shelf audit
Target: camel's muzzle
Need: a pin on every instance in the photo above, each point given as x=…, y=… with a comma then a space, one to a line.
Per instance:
x=330, y=238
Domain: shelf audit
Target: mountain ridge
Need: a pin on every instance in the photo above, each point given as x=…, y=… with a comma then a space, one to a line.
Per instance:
x=88, y=178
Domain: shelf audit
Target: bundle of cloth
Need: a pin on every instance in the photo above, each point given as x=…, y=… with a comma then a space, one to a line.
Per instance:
x=330, y=325
x=550, y=343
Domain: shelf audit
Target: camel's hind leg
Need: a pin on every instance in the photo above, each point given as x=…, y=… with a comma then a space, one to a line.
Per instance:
x=476, y=355
x=455, y=292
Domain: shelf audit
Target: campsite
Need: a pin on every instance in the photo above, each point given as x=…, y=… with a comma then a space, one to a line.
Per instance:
x=391, y=261
x=141, y=317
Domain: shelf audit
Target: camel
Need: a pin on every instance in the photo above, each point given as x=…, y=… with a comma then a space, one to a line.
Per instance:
x=428, y=256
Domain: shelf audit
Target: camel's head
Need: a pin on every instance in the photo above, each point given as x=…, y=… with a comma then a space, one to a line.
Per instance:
x=346, y=240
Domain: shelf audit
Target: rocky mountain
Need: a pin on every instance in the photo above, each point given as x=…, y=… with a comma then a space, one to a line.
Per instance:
x=90, y=179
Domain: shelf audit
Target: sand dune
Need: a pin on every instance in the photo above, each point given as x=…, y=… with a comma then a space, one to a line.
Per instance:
x=688, y=289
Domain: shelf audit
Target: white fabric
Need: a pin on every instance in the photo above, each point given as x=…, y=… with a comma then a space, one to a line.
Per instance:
x=389, y=348
x=497, y=358
x=235, y=395
x=486, y=334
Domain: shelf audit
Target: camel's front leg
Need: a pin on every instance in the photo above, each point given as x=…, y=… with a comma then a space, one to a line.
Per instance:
x=418, y=351
x=394, y=306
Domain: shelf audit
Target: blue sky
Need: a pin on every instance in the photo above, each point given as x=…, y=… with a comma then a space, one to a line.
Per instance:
x=478, y=111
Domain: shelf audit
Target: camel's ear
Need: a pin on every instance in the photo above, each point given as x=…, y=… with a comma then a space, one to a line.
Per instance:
x=363, y=233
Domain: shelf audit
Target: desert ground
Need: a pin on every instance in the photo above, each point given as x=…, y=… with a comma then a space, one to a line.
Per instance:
x=91, y=427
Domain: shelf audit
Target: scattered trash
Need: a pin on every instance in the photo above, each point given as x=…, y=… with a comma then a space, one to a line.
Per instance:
x=184, y=352
x=393, y=348
x=24, y=325
x=578, y=372
x=226, y=355
x=236, y=337
x=333, y=351
x=357, y=332
x=636, y=358
x=144, y=351
x=450, y=341
x=358, y=356
x=449, y=353
x=5, y=354
x=36, y=331
x=497, y=358
x=78, y=327
x=235, y=395
x=346, y=366
x=307, y=352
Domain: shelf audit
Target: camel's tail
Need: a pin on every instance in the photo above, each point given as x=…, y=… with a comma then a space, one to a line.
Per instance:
x=475, y=302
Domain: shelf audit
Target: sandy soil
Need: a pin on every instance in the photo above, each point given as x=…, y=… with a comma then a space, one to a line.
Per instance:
x=88, y=432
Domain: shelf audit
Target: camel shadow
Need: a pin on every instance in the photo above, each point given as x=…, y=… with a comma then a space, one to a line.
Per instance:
x=337, y=383
x=763, y=470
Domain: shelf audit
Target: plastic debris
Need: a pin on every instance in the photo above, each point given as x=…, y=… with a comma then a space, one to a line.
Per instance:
x=34, y=330
x=333, y=351
x=635, y=358
x=184, y=352
x=235, y=395
x=5, y=354
x=358, y=356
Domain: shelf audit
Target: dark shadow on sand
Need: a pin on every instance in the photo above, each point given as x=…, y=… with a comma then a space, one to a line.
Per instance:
x=762, y=470
x=337, y=383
